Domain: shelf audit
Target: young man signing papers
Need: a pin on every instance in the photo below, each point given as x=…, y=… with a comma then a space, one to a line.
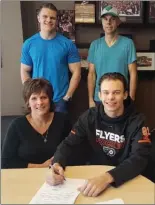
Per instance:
x=113, y=131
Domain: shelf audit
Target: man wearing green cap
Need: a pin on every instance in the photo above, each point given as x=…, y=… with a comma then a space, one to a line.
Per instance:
x=111, y=53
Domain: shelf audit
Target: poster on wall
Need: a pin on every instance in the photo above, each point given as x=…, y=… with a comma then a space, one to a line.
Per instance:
x=129, y=11
x=84, y=13
x=151, y=13
x=146, y=61
x=66, y=23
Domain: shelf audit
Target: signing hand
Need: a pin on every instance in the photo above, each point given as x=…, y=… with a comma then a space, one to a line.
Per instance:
x=93, y=187
x=55, y=175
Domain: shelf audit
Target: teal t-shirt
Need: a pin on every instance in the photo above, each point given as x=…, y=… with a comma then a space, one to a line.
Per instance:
x=111, y=59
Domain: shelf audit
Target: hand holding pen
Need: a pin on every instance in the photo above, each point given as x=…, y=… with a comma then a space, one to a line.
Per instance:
x=55, y=174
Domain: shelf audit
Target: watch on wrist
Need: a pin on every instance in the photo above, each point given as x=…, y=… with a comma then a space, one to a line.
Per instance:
x=67, y=98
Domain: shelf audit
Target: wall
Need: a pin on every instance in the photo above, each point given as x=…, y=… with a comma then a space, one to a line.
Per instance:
x=11, y=27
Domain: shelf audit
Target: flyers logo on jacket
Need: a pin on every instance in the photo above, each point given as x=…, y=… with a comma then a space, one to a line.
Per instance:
x=111, y=142
x=145, y=135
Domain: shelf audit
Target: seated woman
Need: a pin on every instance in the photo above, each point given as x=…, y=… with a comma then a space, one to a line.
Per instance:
x=31, y=140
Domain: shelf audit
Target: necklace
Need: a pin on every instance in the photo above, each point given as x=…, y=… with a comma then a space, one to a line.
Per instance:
x=111, y=43
x=45, y=136
x=41, y=130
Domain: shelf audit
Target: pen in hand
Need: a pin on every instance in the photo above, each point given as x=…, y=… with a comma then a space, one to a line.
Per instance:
x=56, y=172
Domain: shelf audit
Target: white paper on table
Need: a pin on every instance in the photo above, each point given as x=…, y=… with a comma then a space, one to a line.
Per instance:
x=65, y=193
x=114, y=201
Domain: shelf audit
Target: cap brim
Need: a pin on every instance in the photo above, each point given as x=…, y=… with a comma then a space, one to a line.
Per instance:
x=110, y=13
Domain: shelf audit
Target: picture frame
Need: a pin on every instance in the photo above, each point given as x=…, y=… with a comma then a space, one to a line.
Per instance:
x=129, y=11
x=151, y=12
x=66, y=23
x=85, y=12
x=146, y=61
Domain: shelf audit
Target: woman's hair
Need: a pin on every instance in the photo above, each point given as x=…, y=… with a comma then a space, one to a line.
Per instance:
x=37, y=85
x=114, y=76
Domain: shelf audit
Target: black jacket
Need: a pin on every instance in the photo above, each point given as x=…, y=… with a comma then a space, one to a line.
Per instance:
x=111, y=141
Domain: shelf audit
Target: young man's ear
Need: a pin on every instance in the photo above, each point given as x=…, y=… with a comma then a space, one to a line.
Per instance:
x=125, y=95
x=118, y=21
x=99, y=95
x=38, y=18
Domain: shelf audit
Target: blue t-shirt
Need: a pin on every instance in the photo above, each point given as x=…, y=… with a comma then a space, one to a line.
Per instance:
x=49, y=59
x=111, y=59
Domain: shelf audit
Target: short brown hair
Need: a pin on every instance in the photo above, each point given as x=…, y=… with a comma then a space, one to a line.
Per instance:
x=48, y=6
x=36, y=86
x=114, y=76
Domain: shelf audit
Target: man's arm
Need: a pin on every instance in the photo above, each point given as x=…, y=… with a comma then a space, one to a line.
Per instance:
x=137, y=160
x=66, y=150
x=133, y=79
x=94, y=186
x=74, y=140
x=91, y=84
x=25, y=72
x=75, y=69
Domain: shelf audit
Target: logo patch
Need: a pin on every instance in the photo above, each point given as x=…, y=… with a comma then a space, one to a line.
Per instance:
x=145, y=135
x=109, y=151
x=73, y=132
x=108, y=8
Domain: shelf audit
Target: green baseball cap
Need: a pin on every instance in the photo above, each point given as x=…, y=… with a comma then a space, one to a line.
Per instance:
x=109, y=10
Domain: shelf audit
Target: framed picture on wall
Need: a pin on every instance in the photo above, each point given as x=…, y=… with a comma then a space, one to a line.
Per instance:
x=85, y=12
x=66, y=23
x=146, y=61
x=129, y=11
x=151, y=12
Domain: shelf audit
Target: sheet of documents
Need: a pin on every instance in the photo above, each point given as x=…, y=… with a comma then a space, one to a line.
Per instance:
x=114, y=201
x=65, y=193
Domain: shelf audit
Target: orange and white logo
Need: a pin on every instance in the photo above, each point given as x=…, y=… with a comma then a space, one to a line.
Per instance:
x=145, y=135
x=73, y=132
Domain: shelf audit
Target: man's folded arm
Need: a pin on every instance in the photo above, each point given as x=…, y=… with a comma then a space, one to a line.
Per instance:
x=134, y=164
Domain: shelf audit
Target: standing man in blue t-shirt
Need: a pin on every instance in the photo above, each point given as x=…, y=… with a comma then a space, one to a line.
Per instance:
x=111, y=53
x=50, y=55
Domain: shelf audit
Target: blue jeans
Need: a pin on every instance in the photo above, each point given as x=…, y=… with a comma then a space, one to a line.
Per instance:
x=61, y=106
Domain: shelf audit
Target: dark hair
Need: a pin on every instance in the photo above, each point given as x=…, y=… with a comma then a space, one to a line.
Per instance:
x=48, y=6
x=36, y=86
x=114, y=76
